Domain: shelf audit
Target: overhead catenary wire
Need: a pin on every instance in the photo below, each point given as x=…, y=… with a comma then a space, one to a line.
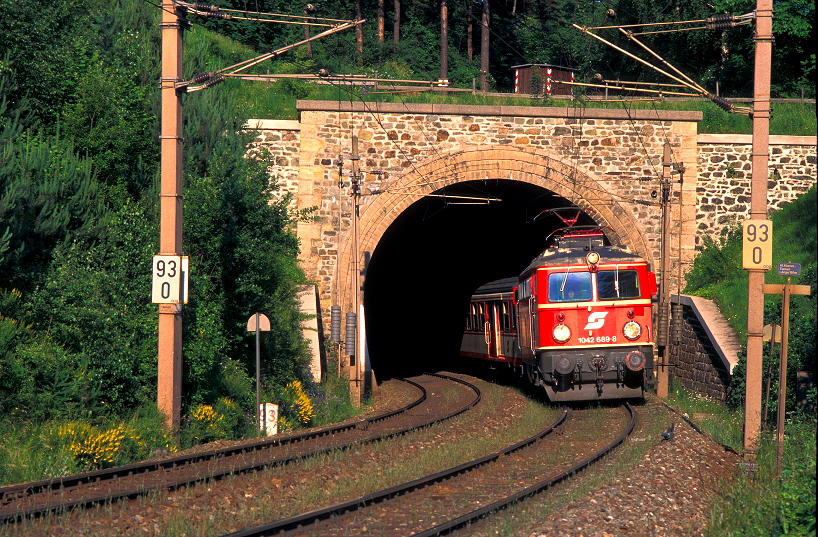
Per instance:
x=217, y=76
x=213, y=11
x=682, y=78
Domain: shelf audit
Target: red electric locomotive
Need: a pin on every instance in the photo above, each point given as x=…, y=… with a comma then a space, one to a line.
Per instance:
x=577, y=321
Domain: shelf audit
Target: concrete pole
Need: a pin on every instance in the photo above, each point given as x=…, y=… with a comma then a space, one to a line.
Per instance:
x=758, y=210
x=169, y=397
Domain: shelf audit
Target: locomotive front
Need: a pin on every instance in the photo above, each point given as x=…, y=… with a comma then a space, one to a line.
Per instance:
x=585, y=321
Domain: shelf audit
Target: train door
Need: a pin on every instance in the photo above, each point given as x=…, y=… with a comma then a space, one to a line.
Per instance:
x=491, y=329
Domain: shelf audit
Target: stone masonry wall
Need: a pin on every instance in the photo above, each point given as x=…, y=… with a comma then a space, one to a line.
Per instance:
x=695, y=362
x=725, y=169
x=620, y=153
x=282, y=141
x=591, y=157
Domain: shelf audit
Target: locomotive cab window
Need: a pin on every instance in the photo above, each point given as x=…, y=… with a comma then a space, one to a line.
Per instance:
x=569, y=287
x=613, y=284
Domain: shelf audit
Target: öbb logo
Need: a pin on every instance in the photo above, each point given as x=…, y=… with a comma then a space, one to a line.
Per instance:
x=596, y=320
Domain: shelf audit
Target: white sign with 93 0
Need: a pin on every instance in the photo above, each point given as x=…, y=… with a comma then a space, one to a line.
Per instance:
x=170, y=279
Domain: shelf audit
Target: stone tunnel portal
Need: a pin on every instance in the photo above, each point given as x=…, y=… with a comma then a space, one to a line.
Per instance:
x=435, y=254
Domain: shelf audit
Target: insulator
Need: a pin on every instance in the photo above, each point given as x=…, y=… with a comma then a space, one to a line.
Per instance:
x=676, y=322
x=335, y=324
x=661, y=327
x=351, y=329
x=204, y=6
x=720, y=25
x=309, y=9
x=722, y=103
x=201, y=78
x=598, y=77
x=221, y=16
x=611, y=13
x=213, y=81
x=323, y=72
x=721, y=22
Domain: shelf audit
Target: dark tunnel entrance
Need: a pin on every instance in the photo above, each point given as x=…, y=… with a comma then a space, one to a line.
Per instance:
x=435, y=254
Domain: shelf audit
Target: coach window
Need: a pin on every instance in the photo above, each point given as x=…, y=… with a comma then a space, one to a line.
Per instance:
x=569, y=287
x=613, y=284
x=504, y=315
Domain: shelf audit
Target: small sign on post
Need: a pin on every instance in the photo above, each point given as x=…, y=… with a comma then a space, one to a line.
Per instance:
x=269, y=418
x=170, y=279
x=258, y=323
x=757, y=244
x=786, y=290
x=789, y=269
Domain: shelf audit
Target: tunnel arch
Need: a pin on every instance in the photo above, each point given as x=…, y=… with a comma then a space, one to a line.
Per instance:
x=531, y=170
x=536, y=167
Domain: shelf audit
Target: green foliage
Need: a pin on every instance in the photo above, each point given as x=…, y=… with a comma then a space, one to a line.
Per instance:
x=48, y=192
x=717, y=274
x=768, y=503
x=35, y=450
x=104, y=287
x=771, y=503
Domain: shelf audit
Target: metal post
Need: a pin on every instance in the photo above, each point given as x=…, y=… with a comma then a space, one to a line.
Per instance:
x=662, y=387
x=355, y=370
x=258, y=370
x=758, y=210
x=773, y=328
x=782, y=374
x=169, y=396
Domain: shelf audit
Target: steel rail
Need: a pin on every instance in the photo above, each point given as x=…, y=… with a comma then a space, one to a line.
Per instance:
x=11, y=494
x=469, y=518
x=314, y=517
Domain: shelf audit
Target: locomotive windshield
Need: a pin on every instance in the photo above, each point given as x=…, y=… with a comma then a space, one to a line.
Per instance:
x=613, y=284
x=569, y=287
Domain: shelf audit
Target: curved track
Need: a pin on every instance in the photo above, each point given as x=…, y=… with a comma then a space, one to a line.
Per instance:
x=30, y=500
x=492, y=482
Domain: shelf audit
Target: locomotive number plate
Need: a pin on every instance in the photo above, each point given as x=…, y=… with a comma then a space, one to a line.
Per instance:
x=598, y=339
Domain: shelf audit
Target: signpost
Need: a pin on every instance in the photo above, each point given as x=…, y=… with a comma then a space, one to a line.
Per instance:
x=772, y=333
x=786, y=269
x=258, y=323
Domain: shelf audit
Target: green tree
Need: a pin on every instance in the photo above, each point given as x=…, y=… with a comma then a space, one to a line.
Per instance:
x=47, y=192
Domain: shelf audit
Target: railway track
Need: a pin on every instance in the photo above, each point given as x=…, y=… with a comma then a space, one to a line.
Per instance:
x=31, y=500
x=446, y=501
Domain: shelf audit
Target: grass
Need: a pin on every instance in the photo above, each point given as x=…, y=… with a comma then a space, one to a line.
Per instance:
x=277, y=101
x=519, y=519
x=769, y=503
x=374, y=467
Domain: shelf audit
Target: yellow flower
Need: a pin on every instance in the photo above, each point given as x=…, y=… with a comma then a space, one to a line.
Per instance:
x=305, y=409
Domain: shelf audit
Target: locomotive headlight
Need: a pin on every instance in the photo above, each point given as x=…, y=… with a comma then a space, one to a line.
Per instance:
x=561, y=333
x=632, y=330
